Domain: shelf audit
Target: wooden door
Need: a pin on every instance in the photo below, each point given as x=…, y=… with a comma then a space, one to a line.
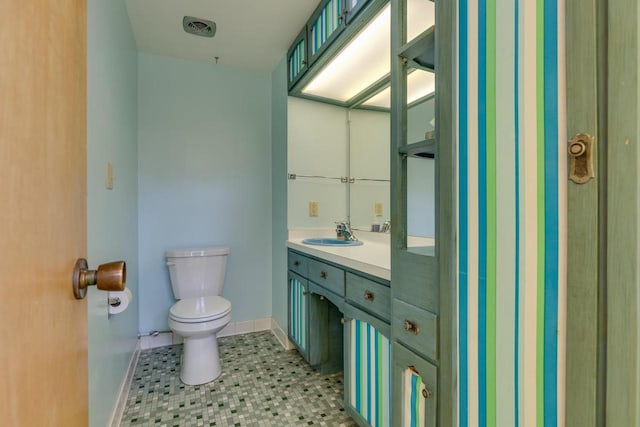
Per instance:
x=603, y=294
x=43, y=348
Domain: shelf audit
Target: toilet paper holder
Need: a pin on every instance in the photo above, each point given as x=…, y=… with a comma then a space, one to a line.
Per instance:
x=111, y=277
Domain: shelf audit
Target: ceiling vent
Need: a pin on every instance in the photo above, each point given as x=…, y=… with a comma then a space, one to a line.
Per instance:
x=199, y=26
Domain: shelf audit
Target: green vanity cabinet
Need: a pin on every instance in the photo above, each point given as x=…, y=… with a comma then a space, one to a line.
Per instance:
x=348, y=328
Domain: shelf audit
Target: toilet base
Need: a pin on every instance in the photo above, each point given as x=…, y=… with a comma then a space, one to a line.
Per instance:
x=200, y=360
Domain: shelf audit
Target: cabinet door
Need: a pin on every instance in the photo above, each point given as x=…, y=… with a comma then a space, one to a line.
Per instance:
x=297, y=59
x=367, y=373
x=299, y=313
x=414, y=389
x=325, y=25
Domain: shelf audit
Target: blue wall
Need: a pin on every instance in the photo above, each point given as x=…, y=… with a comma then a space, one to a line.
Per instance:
x=111, y=214
x=279, y=191
x=204, y=165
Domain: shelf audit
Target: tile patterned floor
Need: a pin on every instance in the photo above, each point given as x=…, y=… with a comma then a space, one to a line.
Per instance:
x=261, y=385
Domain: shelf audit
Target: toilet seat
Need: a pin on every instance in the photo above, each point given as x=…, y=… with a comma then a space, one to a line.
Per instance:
x=201, y=309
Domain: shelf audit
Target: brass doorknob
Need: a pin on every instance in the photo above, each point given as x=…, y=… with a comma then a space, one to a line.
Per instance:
x=108, y=277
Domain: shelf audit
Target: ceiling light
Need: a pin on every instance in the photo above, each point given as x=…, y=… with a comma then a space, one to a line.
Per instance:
x=365, y=60
x=362, y=62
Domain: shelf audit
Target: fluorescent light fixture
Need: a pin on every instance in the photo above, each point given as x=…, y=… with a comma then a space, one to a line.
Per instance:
x=362, y=62
x=420, y=83
x=365, y=60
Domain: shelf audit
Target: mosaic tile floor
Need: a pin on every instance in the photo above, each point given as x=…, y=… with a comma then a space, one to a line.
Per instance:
x=261, y=385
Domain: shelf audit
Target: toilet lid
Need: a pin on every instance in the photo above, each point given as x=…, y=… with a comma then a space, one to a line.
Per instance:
x=202, y=309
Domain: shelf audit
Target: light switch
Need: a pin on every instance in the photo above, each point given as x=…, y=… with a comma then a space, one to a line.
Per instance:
x=108, y=176
x=313, y=208
x=378, y=209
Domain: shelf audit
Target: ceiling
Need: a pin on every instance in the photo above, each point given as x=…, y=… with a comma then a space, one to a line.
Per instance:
x=251, y=34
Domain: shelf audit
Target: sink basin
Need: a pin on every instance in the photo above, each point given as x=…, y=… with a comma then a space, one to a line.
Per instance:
x=329, y=241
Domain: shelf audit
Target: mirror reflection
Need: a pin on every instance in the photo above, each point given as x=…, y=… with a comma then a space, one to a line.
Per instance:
x=369, y=191
x=369, y=141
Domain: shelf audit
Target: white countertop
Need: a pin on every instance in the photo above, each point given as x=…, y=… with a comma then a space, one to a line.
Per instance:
x=373, y=257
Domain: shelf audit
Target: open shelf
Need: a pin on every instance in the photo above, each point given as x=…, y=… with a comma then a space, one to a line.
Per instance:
x=421, y=51
x=423, y=149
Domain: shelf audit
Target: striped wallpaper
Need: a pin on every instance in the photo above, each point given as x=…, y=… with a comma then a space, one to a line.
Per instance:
x=370, y=373
x=511, y=212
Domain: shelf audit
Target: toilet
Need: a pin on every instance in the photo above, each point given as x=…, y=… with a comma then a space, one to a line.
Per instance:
x=197, y=278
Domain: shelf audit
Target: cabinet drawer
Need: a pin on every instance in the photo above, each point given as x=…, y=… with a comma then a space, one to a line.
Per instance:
x=371, y=296
x=416, y=328
x=327, y=276
x=415, y=389
x=298, y=263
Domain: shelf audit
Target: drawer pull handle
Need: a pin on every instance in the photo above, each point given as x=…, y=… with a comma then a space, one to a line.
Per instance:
x=411, y=327
x=426, y=393
x=296, y=263
x=369, y=296
x=323, y=274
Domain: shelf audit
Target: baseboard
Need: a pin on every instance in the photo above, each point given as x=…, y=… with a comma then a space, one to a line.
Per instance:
x=281, y=335
x=165, y=338
x=121, y=403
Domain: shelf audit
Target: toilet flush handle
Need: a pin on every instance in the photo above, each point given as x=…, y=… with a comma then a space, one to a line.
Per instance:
x=170, y=264
x=110, y=277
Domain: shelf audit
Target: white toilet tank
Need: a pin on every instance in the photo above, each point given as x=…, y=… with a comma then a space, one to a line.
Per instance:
x=197, y=272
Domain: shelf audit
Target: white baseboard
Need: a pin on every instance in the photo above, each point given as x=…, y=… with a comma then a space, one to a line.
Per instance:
x=281, y=335
x=121, y=402
x=233, y=328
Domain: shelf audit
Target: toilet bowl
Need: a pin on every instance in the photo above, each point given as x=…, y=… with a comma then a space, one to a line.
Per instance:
x=197, y=278
x=197, y=321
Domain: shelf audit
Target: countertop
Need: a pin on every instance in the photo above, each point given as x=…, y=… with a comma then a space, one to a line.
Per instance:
x=373, y=257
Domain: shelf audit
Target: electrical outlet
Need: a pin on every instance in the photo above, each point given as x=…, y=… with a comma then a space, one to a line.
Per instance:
x=378, y=209
x=313, y=208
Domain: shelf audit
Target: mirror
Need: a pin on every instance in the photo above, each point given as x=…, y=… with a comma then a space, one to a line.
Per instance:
x=369, y=191
x=369, y=133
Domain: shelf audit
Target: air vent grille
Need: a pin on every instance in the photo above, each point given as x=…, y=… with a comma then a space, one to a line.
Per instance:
x=198, y=26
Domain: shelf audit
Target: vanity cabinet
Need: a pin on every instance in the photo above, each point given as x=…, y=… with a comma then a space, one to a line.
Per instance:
x=348, y=328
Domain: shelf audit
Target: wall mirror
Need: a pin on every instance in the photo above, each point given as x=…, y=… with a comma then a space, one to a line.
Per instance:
x=369, y=142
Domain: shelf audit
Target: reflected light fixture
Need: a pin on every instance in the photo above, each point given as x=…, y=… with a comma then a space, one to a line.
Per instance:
x=420, y=83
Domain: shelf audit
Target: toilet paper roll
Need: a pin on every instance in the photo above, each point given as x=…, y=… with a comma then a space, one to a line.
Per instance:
x=125, y=297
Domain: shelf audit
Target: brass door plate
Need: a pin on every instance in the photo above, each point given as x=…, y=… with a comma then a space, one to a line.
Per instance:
x=580, y=152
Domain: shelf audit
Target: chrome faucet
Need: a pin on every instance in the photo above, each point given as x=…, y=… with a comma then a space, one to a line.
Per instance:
x=343, y=229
